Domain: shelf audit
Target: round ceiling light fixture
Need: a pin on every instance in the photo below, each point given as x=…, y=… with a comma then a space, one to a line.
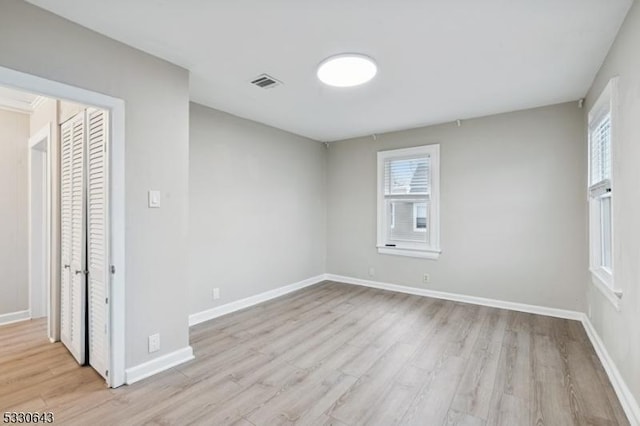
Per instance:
x=347, y=70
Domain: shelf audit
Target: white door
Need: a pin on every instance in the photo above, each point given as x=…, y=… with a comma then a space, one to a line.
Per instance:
x=73, y=213
x=97, y=232
x=66, y=146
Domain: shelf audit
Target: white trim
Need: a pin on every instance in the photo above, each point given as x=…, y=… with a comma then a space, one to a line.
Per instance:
x=228, y=308
x=116, y=146
x=629, y=403
x=53, y=89
x=12, y=317
x=627, y=400
x=13, y=105
x=37, y=102
x=609, y=293
x=43, y=135
x=157, y=365
x=423, y=254
x=494, y=303
x=21, y=106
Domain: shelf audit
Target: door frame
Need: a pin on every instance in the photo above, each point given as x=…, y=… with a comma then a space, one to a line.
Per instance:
x=40, y=152
x=116, y=107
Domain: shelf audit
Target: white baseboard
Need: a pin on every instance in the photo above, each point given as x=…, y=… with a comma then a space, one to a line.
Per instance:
x=219, y=311
x=627, y=400
x=15, y=317
x=494, y=303
x=157, y=365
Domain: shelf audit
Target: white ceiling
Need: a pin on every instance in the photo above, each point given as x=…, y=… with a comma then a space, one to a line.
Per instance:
x=439, y=60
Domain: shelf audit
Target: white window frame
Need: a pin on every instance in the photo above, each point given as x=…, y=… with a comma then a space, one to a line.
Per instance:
x=602, y=277
x=420, y=250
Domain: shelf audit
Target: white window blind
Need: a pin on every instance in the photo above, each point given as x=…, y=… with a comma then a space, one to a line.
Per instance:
x=601, y=151
x=407, y=211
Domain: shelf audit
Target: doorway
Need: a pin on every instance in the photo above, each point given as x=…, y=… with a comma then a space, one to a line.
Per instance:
x=39, y=227
x=44, y=297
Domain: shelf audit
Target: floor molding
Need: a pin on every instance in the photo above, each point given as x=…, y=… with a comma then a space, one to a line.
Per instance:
x=628, y=401
x=494, y=303
x=219, y=311
x=157, y=365
x=12, y=317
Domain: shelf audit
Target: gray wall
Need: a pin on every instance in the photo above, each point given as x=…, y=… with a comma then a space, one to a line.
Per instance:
x=513, y=208
x=156, y=95
x=257, y=208
x=14, y=150
x=620, y=331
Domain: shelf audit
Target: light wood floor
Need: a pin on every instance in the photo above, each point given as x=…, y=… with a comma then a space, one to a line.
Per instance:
x=335, y=354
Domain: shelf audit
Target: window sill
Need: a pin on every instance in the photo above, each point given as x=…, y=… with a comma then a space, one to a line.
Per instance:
x=601, y=281
x=423, y=254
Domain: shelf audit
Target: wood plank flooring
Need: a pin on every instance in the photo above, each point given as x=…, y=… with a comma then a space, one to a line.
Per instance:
x=335, y=354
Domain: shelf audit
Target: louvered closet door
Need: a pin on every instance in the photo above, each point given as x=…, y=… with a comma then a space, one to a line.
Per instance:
x=73, y=298
x=66, y=146
x=97, y=232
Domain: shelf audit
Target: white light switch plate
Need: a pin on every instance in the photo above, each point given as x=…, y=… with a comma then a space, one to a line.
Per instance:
x=154, y=199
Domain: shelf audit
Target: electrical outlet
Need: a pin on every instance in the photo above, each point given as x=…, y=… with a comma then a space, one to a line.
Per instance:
x=154, y=199
x=372, y=271
x=216, y=293
x=154, y=343
x=426, y=278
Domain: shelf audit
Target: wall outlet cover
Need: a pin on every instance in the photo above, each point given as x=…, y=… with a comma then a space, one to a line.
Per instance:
x=154, y=199
x=154, y=343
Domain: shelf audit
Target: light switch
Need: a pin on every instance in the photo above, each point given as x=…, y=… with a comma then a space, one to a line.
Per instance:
x=154, y=199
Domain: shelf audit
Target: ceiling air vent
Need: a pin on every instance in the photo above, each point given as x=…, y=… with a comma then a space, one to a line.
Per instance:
x=265, y=81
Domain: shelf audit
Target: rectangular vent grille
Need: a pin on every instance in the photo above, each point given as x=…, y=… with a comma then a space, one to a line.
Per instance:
x=265, y=81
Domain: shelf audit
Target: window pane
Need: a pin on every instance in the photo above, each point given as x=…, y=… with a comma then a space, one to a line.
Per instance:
x=601, y=151
x=605, y=223
x=420, y=217
x=392, y=215
x=406, y=176
x=404, y=225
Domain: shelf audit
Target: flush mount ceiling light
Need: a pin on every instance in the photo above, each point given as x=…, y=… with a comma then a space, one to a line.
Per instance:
x=346, y=70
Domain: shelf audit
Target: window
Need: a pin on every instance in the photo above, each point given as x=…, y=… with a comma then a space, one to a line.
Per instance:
x=601, y=132
x=408, y=202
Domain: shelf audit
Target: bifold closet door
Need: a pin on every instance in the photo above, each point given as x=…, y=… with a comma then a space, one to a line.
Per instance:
x=66, y=148
x=97, y=239
x=73, y=214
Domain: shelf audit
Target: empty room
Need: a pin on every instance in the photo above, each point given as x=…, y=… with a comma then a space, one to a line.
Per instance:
x=320, y=213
